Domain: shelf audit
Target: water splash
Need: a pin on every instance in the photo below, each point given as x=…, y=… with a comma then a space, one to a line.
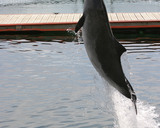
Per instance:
x=79, y=37
x=70, y=31
x=122, y=109
x=147, y=116
x=110, y=101
x=126, y=117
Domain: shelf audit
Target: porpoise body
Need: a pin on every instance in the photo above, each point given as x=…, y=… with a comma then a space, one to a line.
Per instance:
x=103, y=48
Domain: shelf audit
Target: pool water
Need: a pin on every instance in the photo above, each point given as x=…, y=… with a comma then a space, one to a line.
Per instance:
x=54, y=85
x=75, y=6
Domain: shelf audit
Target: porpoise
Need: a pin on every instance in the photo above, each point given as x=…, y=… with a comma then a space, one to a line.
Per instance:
x=102, y=47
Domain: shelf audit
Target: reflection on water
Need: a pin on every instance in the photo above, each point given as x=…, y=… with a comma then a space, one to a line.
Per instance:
x=49, y=84
x=75, y=6
x=142, y=47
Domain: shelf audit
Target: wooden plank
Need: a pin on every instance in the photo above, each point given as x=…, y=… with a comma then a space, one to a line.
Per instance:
x=120, y=16
x=57, y=18
x=109, y=17
x=13, y=19
x=145, y=16
x=19, y=19
x=151, y=16
x=126, y=17
x=45, y=18
x=26, y=18
x=114, y=17
x=38, y=18
x=3, y=18
x=156, y=15
x=33, y=18
x=64, y=18
x=51, y=18
x=76, y=17
x=70, y=18
x=132, y=16
x=8, y=18
x=80, y=15
x=139, y=16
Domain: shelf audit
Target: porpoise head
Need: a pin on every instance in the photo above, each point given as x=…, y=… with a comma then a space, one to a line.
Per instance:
x=93, y=5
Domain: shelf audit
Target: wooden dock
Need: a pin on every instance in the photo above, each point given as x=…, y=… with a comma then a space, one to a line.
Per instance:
x=63, y=22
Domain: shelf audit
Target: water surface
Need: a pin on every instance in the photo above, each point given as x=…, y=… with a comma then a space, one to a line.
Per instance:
x=75, y=6
x=50, y=84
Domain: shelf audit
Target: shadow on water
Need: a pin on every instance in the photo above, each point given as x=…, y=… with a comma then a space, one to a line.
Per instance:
x=147, y=34
x=38, y=36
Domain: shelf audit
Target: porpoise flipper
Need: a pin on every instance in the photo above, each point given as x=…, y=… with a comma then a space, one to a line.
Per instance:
x=80, y=23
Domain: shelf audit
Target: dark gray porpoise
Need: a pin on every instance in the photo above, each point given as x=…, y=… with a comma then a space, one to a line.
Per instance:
x=102, y=48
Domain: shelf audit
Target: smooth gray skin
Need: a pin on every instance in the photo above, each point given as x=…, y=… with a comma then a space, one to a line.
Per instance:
x=102, y=48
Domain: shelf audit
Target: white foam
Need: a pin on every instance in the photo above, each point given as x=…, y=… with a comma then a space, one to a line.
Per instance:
x=126, y=116
x=147, y=116
x=125, y=111
x=124, y=108
x=111, y=101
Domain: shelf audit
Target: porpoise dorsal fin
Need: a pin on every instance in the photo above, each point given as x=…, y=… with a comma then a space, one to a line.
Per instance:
x=120, y=48
x=80, y=23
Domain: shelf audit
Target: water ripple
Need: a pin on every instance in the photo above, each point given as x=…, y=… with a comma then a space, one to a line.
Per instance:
x=56, y=86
